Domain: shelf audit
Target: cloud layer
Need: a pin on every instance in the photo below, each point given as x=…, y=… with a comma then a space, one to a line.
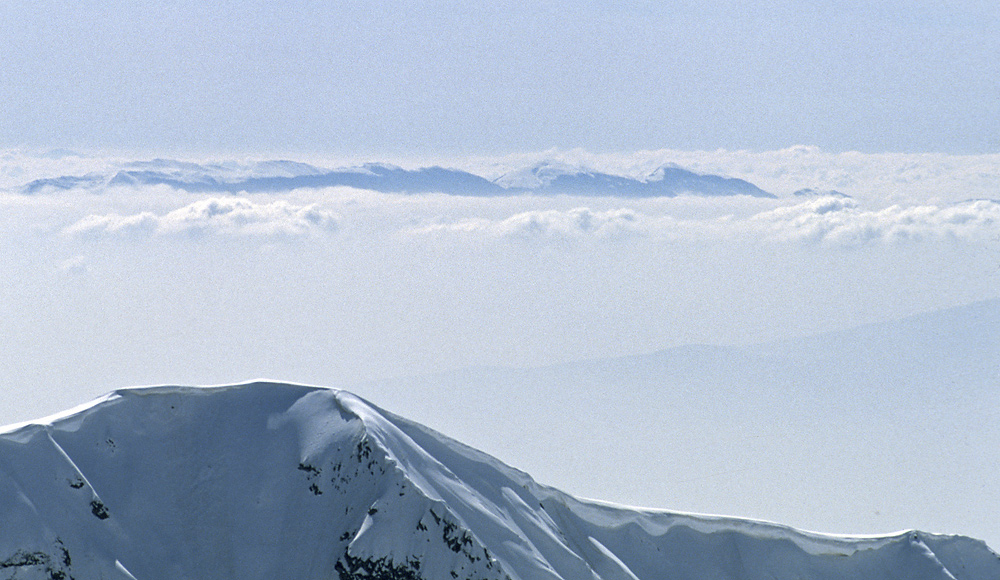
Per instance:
x=892, y=198
x=841, y=222
x=550, y=224
x=223, y=216
x=828, y=220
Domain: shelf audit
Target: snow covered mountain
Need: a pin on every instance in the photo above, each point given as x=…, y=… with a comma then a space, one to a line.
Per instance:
x=552, y=177
x=545, y=178
x=372, y=176
x=271, y=480
x=275, y=176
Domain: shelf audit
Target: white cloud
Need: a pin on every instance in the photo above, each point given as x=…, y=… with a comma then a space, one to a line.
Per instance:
x=76, y=265
x=224, y=215
x=829, y=220
x=840, y=221
x=547, y=224
x=114, y=224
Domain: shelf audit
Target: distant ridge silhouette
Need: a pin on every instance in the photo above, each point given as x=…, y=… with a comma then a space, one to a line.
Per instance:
x=546, y=178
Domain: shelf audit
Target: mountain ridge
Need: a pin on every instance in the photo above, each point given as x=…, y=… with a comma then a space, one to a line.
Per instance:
x=262, y=479
x=543, y=178
x=881, y=426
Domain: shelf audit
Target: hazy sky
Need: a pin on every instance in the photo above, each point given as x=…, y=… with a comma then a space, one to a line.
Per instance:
x=380, y=78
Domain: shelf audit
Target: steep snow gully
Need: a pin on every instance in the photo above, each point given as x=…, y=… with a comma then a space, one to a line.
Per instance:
x=267, y=480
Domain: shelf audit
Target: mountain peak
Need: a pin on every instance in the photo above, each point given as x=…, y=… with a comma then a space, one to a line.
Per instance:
x=556, y=177
x=275, y=480
x=538, y=175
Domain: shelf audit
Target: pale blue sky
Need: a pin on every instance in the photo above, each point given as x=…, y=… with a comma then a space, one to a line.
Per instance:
x=377, y=78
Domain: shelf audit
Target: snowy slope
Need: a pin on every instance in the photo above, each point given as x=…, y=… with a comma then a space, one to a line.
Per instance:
x=283, y=481
x=869, y=430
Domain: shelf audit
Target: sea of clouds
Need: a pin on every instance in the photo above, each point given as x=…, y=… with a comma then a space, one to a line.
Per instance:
x=852, y=199
x=113, y=284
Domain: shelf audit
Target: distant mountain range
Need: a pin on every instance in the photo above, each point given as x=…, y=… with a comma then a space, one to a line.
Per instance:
x=546, y=178
x=264, y=481
x=890, y=417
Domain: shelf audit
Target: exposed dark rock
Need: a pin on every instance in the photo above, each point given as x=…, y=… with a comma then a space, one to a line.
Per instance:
x=98, y=508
